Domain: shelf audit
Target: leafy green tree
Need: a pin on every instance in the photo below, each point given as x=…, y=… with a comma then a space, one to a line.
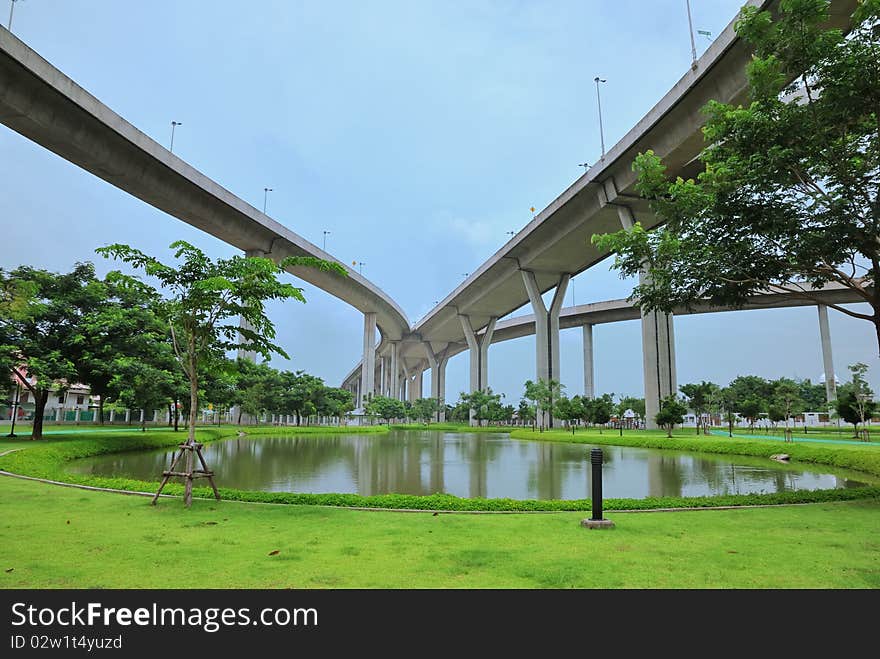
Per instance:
x=141, y=385
x=813, y=395
x=42, y=327
x=480, y=403
x=264, y=393
x=386, y=408
x=525, y=412
x=671, y=413
x=303, y=393
x=336, y=402
x=207, y=300
x=122, y=323
x=598, y=411
x=855, y=400
x=775, y=413
x=788, y=198
x=545, y=394
x=787, y=396
x=751, y=409
x=700, y=399
x=424, y=409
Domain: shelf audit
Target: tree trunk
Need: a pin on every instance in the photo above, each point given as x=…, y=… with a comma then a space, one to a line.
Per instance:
x=193, y=397
x=41, y=397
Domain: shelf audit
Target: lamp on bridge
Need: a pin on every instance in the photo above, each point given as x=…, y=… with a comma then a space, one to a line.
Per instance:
x=174, y=124
x=266, y=192
x=326, y=233
x=597, y=80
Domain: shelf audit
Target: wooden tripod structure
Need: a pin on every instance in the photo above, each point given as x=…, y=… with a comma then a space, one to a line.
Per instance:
x=191, y=452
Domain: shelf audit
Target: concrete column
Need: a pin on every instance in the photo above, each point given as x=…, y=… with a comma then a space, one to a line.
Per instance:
x=368, y=362
x=112, y=416
x=589, y=368
x=383, y=377
x=479, y=354
x=546, y=330
x=395, y=371
x=128, y=416
x=827, y=360
x=141, y=419
x=59, y=414
x=76, y=415
x=250, y=355
x=155, y=416
x=658, y=356
x=437, y=362
x=658, y=347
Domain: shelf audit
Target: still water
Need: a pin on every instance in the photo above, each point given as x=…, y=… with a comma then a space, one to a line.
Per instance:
x=472, y=465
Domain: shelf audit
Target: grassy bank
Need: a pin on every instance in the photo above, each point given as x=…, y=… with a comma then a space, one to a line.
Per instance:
x=57, y=537
x=48, y=459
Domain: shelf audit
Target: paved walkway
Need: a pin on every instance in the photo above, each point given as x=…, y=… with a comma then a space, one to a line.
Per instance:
x=724, y=433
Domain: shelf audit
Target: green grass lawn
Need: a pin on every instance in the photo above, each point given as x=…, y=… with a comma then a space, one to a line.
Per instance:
x=57, y=537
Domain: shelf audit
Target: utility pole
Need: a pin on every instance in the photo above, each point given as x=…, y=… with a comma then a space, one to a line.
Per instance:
x=599, y=103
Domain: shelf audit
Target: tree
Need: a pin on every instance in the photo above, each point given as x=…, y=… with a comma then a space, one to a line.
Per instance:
x=525, y=412
x=787, y=397
x=598, y=411
x=730, y=405
x=121, y=324
x=788, y=197
x=424, y=409
x=544, y=393
x=207, y=300
x=264, y=392
x=700, y=398
x=480, y=403
x=209, y=297
x=42, y=328
x=813, y=395
x=855, y=400
x=386, y=408
x=337, y=402
x=671, y=413
x=140, y=385
x=751, y=409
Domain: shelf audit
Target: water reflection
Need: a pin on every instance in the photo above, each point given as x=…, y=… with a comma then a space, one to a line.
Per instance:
x=472, y=465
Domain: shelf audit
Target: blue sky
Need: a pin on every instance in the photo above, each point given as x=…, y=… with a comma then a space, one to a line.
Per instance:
x=417, y=133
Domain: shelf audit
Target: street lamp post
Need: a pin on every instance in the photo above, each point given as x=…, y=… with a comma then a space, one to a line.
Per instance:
x=691, y=28
x=585, y=165
x=11, y=10
x=15, y=405
x=174, y=124
x=326, y=233
x=361, y=265
x=266, y=192
x=597, y=79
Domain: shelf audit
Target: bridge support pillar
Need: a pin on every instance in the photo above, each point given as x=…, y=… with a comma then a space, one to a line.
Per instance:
x=658, y=356
x=827, y=360
x=368, y=363
x=395, y=371
x=589, y=368
x=546, y=332
x=437, y=361
x=479, y=354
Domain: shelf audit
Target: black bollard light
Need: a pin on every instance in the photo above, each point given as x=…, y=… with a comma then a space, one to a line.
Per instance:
x=596, y=461
x=596, y=521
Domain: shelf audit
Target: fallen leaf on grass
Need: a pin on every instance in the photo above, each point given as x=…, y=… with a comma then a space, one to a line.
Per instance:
x=10, y=570
x=435, y=514
x=68, y=521
x=730, y=551
x=274, y=552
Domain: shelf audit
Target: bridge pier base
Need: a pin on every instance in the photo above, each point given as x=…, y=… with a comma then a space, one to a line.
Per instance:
x=368, y=363
x=827, y=360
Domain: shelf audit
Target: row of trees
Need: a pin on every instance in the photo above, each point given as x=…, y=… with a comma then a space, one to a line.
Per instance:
x=147, y=348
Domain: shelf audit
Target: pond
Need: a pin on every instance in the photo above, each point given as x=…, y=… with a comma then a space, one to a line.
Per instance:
x=473, y=465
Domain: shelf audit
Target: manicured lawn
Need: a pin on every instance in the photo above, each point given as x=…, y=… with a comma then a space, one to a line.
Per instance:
x=57, y=537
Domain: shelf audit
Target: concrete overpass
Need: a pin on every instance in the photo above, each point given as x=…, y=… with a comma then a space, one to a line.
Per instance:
x=612, y=311
x=41, y=103
x=556, y=246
